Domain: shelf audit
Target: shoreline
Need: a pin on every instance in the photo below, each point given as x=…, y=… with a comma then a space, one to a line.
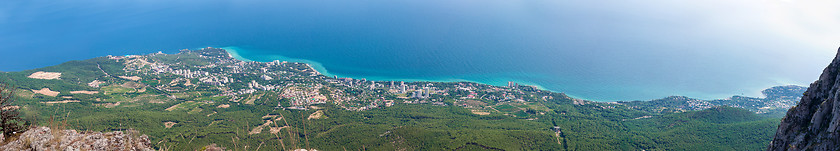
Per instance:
x=234, y=52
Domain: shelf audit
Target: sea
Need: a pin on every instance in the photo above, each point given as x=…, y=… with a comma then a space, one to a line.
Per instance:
x=618, y=51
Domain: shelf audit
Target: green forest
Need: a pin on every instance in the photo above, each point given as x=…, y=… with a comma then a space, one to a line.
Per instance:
x=188, y=116
x=419, y=127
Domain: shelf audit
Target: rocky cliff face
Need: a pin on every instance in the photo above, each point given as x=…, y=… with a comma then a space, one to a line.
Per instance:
x=813, y=124
x=42, y=138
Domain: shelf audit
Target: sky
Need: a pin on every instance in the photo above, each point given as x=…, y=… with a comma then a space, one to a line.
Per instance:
x=788, y=42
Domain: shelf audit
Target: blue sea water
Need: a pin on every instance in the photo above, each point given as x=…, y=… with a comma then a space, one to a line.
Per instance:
x=597, y=51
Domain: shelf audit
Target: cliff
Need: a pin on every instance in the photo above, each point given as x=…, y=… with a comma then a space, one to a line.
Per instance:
x=813, y=123
x=43, y=138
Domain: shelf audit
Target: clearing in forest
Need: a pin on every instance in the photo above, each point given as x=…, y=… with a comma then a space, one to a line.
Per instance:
x=47, y=92
x=45, y=75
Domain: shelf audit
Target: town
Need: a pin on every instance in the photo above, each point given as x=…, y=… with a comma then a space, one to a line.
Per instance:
x=216, y=74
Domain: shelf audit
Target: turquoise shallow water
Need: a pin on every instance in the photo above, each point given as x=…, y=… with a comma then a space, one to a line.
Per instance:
x=571, y=87
x=597, y=51
x=236, y=52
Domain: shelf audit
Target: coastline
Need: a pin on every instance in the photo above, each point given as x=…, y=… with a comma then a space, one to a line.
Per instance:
x=234, y=52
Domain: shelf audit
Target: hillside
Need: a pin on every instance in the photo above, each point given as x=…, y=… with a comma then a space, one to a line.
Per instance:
x=775, y=103
x=813, y=123
x=195, y=98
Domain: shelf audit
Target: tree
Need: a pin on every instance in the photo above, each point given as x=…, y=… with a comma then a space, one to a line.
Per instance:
x=10, y=121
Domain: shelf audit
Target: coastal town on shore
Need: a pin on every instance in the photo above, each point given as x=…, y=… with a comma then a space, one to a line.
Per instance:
x=211, y=90
x=213, y=76
x=240, y=81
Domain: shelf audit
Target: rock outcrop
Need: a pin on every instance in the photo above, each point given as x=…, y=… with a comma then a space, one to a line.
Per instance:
x=213, y=147
x=43, y=138
x=813, y=124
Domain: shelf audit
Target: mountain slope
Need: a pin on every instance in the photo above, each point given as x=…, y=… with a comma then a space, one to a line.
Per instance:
x=813, y=123
x=196, y=98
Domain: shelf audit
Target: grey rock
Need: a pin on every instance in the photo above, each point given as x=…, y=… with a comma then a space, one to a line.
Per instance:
x=813, y=123
x=43, y=138
x=213, y=147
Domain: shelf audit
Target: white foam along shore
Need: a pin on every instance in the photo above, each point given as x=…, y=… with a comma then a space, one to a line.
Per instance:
x=234, y=53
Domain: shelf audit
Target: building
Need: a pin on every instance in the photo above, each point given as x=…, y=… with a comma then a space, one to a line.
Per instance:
x=372, y=85
x=266, y=77
x=417, y=94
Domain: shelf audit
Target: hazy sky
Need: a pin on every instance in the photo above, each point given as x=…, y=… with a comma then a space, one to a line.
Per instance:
x=787, y=41
x=795, y=38
x=783, y=41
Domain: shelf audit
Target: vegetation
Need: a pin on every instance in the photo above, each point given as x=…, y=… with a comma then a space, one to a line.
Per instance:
x=285, y=111
x=10, y=121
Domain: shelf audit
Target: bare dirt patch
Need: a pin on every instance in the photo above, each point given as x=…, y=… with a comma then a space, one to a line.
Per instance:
x=45, y=75
x=132, y=78
x=223, y=106
x=316, y=115
x=275, y=130
x=176, y=106
x=214, y=122
x=84, y=92
x=110, y=105
x=172, y=107
x=269, y=116
x=11, y=108
x=65, y=101
x=47, y=92
x=95, y=83
x=169, y=124
x=259, y=129
x=480, y=112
